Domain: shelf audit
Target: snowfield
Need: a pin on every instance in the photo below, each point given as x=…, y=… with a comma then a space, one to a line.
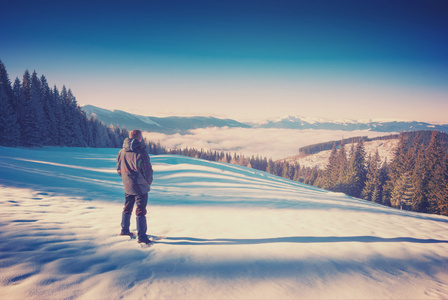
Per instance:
x=230, y=233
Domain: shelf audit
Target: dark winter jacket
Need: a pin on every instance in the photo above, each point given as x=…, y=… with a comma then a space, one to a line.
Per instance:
x=134, y=167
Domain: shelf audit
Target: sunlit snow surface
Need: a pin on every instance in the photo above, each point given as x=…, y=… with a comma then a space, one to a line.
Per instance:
x=231, y=232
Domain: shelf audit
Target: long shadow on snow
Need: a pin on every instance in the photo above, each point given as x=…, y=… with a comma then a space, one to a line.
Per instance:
x=296, y=239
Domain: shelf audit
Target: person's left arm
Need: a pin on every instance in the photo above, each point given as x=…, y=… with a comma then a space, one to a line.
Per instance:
x=145, y=168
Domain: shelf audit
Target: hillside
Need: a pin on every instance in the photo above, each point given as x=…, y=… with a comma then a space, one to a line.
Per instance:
x=385, y=149
x=386, y=145
x=230, y=233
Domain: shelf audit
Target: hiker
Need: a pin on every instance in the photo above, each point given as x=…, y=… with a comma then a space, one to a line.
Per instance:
x=134, y=167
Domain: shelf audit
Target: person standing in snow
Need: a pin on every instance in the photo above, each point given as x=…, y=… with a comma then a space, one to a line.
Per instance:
x=134, y=167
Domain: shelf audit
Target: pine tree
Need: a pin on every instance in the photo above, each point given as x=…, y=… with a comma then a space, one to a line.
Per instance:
x=313, y=177
x=396, y=168
x=342, y=164
x=19, y=102
x=331, y=172
x=30, y=120
x=6, y=86
x=378, y=195
x=271, y=167
x=420, y=179
x=76, y=117
x=372, y=189
x=291, y=172
x=9, y=127
x=49, y=122
x=434, y=158
x=98, y=133
x=412, y=153
x=443, y=196
x=403, y=192
x=88, y=133
x=59, y=133
x=69, y=125
x=41, y=129
x=355, y=174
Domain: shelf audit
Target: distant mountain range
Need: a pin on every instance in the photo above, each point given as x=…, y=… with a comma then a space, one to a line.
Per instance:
x=168, y=125
x=171, y=125
x=379, y=126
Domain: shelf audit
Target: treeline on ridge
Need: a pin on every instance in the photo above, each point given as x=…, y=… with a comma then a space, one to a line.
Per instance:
x=32, y=114
x=315, y=148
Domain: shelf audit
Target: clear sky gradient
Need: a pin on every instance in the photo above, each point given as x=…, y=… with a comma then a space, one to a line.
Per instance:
x=242, y=59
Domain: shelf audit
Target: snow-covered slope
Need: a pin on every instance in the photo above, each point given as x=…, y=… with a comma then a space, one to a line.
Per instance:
x=231, y=232
x=385, y=149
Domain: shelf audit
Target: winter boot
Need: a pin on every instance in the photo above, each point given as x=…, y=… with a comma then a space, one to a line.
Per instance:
x=141, y=230
x=125, y=223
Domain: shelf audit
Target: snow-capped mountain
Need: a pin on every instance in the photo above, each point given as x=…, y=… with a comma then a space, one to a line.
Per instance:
x=170, y=125
x=292, y=122
x=230, y=233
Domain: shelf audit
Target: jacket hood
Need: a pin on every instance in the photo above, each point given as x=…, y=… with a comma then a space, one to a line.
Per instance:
x=132, y=145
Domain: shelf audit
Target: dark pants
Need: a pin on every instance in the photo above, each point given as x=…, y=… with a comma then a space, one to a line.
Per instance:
x=141, y=200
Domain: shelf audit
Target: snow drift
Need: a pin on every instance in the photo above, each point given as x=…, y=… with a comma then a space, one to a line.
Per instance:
x=231, y=232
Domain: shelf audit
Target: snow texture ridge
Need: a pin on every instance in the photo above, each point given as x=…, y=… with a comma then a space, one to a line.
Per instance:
x=231, y=233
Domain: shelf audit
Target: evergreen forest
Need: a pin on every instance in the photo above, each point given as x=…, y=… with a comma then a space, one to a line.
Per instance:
x=416, y=179
x=33, y=114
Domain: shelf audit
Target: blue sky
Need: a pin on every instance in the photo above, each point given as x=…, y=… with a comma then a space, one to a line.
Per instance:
x=240, y=59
